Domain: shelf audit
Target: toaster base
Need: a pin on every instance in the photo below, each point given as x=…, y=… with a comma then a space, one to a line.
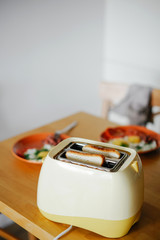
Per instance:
x=106, y=228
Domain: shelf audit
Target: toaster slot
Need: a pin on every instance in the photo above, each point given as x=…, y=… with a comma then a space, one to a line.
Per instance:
x=76, y=146
x=109, y=164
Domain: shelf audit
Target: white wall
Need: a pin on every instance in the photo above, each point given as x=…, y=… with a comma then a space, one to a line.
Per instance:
x=53, y=54
x=50, y=61
x=132, y=37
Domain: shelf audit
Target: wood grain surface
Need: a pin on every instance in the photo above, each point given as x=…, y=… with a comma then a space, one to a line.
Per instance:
x=18, y=186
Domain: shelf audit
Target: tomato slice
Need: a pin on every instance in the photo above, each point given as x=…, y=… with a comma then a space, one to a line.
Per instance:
x=116, y=132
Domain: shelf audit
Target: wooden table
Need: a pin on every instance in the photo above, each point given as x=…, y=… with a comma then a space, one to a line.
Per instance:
x=18, y=187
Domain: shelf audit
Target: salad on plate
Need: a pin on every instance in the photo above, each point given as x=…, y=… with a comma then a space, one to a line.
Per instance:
x=137, y=137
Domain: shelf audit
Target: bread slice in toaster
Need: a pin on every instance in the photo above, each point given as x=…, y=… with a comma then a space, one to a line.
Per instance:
x=88, y=158
x=107, y=152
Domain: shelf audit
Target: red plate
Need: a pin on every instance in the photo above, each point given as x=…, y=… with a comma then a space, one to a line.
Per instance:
x=120, y=132
x=32, y=141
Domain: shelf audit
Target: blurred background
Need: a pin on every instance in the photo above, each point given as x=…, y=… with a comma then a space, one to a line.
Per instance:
x=54, y=54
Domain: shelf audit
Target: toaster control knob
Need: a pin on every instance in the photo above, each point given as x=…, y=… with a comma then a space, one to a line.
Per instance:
x=135, y=166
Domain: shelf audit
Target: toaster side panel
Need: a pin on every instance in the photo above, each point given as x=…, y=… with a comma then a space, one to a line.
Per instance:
x=106, y=228
x=69, y=190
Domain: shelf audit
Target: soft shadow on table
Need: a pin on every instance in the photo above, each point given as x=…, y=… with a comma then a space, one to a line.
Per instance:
x=150, y=220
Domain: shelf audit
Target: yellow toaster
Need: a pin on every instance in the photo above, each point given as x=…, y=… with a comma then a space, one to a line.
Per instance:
x=92, y=185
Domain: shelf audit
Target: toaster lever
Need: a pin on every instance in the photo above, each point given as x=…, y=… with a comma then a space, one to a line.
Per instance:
x=135, y=166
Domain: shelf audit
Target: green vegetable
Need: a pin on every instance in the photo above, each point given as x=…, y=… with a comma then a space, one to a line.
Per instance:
x=40, y=150
x=44, y=149
x=26, y=156
x=138, y=147
x=124, y=145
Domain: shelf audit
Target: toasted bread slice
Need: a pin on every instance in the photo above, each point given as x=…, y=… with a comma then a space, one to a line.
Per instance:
x=88, y=158
x=107, y=152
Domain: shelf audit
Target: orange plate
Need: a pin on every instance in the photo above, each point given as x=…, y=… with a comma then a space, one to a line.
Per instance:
x=122, y=131
x=32, y=141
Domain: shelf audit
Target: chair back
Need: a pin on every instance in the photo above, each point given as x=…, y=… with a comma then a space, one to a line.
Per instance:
x=112, y=93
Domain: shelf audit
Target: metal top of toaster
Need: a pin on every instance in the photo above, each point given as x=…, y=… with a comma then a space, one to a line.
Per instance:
x=111, y=164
